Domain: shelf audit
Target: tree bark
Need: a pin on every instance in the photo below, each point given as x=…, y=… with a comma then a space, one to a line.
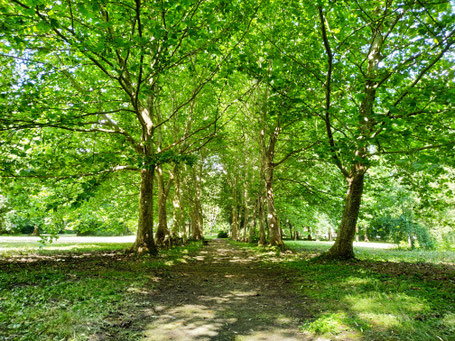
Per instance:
x=197, y=219
x=235, y=222
x=343, y=247
x=262, y=237
x=274, y=226
x=144, y=237
x=178, y=223
x=162, y=232
x=245, y=214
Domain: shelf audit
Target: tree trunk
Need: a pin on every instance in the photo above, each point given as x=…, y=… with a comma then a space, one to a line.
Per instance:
x=144, y=236
x=262, y=237
x=162, y=233
x=197, y=220
x=178, y=223
x=274, y=226
x=343, y=247
x=35, y=231
x=235, y=222
x=245, y=215
x=252, y=226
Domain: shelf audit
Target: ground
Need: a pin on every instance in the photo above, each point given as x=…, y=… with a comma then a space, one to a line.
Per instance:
x=90, y=289
x=221, y=293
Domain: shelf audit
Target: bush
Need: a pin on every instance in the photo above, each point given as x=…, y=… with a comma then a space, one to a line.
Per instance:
x=91, y=226
x=222, y=234
x=16, y=223
x=400, y=229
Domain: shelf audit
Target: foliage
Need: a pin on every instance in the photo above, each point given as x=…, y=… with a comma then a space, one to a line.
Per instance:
x=222, y=234
x=400, y=229
x=92, y=95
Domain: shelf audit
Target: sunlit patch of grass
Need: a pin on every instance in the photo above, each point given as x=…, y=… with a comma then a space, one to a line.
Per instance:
x=333, y=324
x=385, y=303
x=449, y=321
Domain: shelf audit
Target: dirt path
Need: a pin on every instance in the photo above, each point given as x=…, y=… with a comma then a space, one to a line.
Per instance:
x=223, y=293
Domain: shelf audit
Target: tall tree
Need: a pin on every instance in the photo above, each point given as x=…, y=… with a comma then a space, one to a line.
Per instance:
x=101, y=68
x=384, y=88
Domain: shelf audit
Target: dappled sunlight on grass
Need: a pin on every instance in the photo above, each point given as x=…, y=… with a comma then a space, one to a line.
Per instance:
x=334, y=324
x=73, y=296
x=449, y=321
x=371, y=299
x=379, y=306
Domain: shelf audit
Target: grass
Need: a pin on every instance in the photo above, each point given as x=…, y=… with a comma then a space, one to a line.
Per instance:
x=71, y=292
x=30, y=248
x=387, y=295
x=380, y=252
x=68, y=292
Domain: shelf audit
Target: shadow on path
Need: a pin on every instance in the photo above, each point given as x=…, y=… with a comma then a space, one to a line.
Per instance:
x=221, y=293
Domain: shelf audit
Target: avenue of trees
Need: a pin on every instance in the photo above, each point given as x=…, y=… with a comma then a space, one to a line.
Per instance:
x=264, y=119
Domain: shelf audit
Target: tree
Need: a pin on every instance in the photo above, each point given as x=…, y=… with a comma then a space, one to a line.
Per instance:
x=103, y=68
x=386, y=78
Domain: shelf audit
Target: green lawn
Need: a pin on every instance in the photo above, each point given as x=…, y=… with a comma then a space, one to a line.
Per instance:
x=379, y=252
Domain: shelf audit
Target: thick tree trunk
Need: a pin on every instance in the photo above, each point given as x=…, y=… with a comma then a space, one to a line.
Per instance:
x=252, y=226
x=235, y=220
x=343, y=247
x=197, y=218
x=274, y=226
x=235, y=224
x=262, y=237
x=162, y=232
x=178, y=223
x=35, y=231
x=144, y=237
x=246, y=214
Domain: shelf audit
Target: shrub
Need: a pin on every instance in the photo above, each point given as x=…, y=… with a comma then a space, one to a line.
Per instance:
x=92, y=226
x=16, y=223
x=222, y=234
x=400, y=229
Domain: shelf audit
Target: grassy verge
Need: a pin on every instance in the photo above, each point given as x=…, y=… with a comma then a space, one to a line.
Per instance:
x=72, y=297
x=380, y=252
x=371, y=300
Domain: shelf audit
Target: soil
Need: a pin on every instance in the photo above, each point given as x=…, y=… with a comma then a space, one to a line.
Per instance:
x=221, y=293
